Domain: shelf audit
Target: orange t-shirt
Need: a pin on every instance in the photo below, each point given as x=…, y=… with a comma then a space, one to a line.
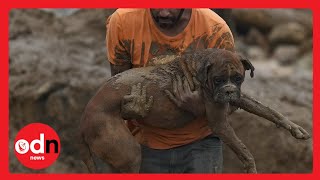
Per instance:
x=133, y=37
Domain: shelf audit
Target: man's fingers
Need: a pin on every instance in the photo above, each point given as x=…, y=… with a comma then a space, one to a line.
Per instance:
x=186, y=85
x=196, y=82
x=144, y=94
x=179, y=85
x=191, y=70
x=137, y=101
x=172, y=97
x=187, y=73
x=193, y=66
x=133, y=89
x=149, y=104
x=175, y=88
x=128, y=98
x=139, y=88
x=136, y=89
x=179, y=80
x=190, y=82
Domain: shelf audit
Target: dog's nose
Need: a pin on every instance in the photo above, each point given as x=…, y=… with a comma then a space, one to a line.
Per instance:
x=228, y=92
x=229, y=89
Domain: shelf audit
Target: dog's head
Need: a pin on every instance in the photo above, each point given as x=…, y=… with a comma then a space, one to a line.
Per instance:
x=221, y=74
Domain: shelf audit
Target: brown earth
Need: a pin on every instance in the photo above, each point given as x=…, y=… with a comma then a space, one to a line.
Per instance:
x=58, y=62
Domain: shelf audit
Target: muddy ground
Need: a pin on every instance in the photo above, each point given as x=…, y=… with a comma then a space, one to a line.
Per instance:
x=58, y=61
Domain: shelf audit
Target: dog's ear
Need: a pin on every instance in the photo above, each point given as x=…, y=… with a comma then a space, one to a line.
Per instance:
x=247, y=65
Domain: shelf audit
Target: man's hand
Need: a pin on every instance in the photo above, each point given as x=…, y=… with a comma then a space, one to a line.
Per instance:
x=136, y=105
x=185, y=98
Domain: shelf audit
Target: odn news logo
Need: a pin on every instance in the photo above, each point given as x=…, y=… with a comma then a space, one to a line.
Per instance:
x=37, y=146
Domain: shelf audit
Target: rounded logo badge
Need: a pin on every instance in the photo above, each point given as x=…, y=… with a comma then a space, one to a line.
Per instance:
x=37, y=146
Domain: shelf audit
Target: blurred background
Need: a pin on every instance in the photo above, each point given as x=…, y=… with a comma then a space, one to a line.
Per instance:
x=58, y=62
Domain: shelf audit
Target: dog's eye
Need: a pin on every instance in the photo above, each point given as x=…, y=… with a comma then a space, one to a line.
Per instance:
x=237, y=78
x=218, y=80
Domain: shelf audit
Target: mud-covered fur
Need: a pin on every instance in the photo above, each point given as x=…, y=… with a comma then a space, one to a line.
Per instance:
x=220, y=73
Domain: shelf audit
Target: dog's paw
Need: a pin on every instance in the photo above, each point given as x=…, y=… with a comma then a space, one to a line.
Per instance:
x=251, y=170
x=299, y=133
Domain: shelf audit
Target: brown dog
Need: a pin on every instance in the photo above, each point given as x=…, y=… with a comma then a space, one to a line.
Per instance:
x=220, y=74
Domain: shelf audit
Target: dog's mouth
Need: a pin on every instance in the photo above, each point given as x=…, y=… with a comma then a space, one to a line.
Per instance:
x=227, y=94
x=226, y=98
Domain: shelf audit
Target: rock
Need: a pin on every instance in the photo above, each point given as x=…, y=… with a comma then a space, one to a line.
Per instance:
x=258, y=18
x=86, y=22
x=305, y=62
x=54, y=71
x=61, y=12
x=306, y=46
x=266, y=19
x=256, y=53
x=286, y=54
x=25, y=22
x=241, y=47
x=289, y=33
x=270, y=70
x=255, y=37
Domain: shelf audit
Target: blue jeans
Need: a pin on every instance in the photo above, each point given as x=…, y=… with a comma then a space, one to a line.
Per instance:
x=202, y=156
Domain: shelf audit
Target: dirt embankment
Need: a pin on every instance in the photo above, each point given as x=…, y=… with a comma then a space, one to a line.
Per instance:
x=58, y=62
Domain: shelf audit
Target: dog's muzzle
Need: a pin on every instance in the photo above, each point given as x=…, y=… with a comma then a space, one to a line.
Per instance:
x=227, y=93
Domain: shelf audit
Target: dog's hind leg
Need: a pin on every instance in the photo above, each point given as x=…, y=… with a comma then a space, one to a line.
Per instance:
x=86, y=155
x=110, y=140
x=93, y=163
x=103, y=167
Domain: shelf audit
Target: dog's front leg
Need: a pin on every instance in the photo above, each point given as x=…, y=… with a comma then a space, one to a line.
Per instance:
x=253, y=106
x=217, y=117
x=229, y=137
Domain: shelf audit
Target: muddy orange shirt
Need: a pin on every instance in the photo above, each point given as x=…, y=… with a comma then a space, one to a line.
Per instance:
x=133, y=37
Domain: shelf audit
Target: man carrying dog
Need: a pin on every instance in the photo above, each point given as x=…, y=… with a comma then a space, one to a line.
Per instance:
x=134, y=38
x=140, y=37
x=174, y=136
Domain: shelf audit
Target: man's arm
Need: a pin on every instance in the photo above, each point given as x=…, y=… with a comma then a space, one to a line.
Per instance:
x=117, y=54
x=115, y=69
x=136, y=104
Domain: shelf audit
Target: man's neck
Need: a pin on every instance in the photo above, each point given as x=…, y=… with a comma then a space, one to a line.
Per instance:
x=180, y=24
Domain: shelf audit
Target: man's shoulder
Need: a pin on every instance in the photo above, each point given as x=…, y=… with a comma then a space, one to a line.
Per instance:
x=207, y=15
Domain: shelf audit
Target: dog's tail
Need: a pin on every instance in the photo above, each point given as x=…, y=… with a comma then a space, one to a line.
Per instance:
x=86, y=156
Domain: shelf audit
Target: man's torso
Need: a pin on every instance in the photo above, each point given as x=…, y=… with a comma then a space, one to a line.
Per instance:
x=132, y=37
